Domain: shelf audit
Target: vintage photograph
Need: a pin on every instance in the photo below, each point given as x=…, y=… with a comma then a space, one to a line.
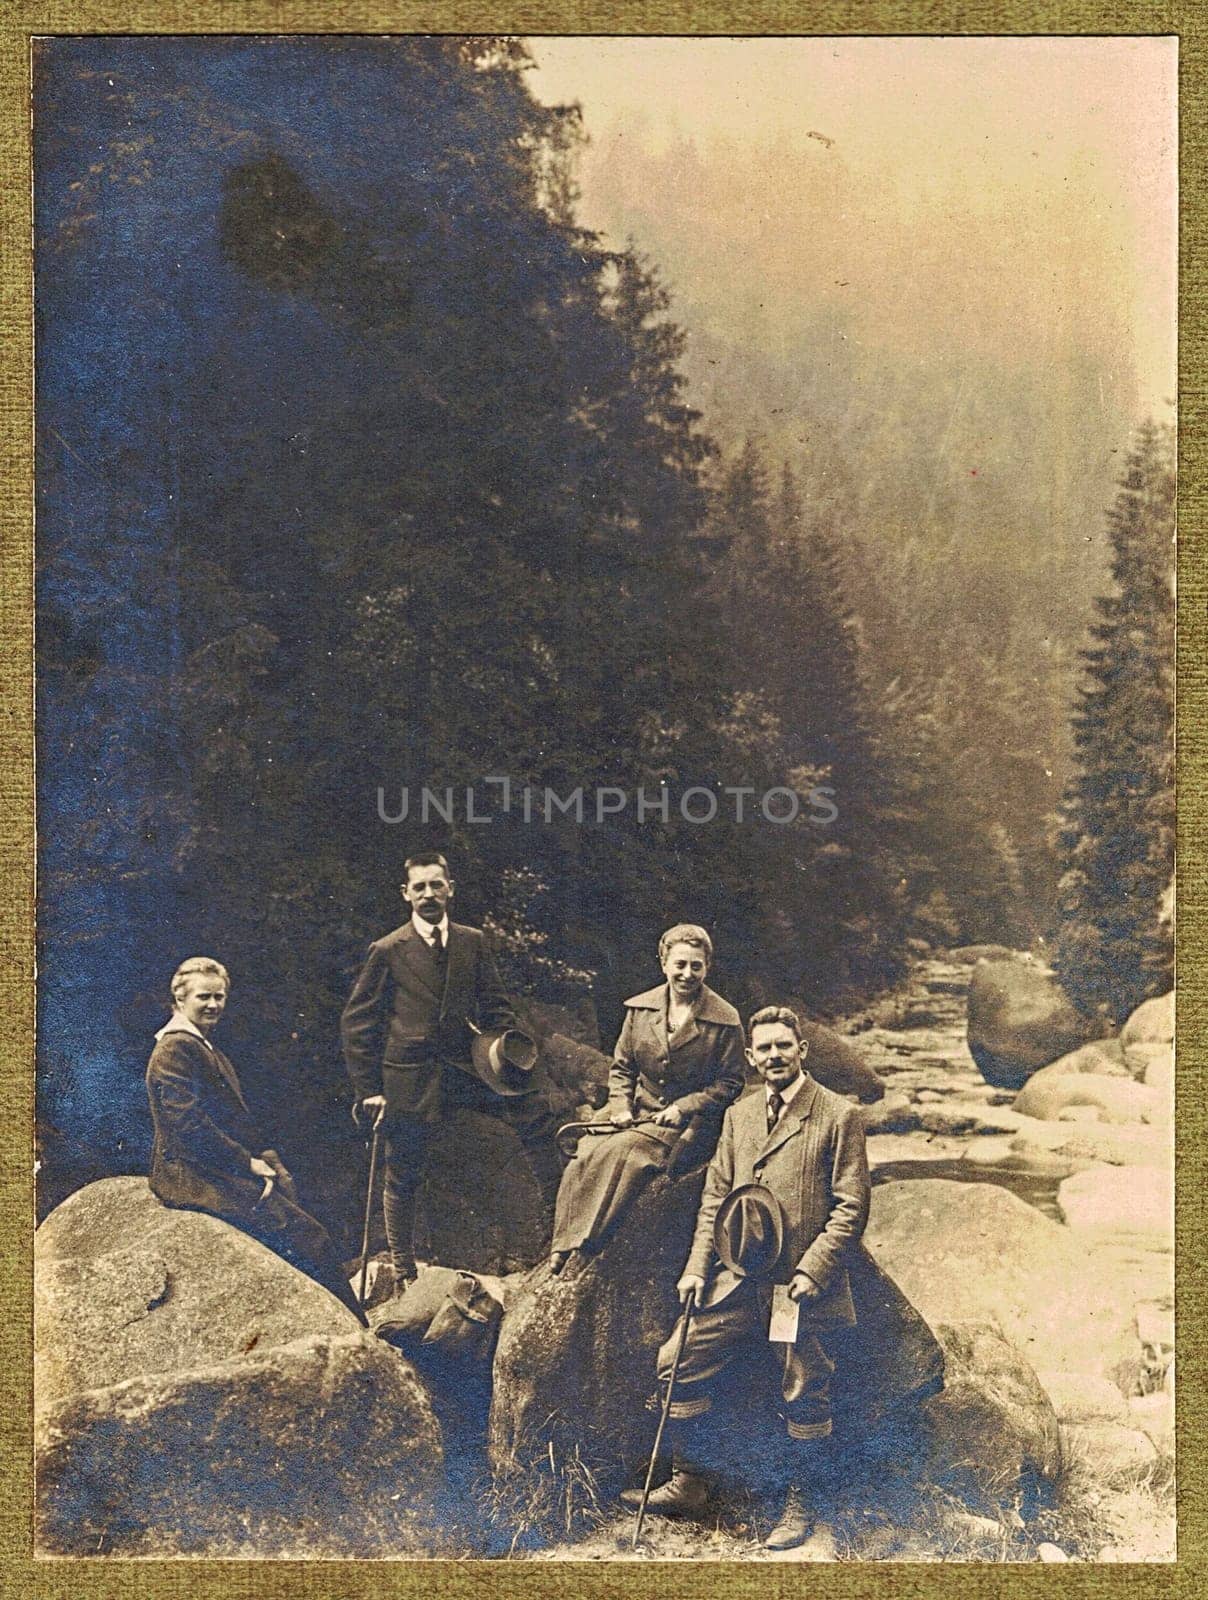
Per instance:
x=606, y=806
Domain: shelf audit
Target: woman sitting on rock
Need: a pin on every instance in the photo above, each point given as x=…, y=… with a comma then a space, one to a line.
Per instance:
x=678, y=1064
x=209, y=1154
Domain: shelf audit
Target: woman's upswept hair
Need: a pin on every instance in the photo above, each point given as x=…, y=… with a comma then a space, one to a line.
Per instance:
x=686, y=933
x=197, y=966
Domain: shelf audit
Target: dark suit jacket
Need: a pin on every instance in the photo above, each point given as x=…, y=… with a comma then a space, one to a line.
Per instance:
x=700, y=1070
x=815, y=1163
x=397, y=1023
x=204, y=1134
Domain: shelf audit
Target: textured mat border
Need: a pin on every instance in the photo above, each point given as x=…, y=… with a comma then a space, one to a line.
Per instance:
x=19, y=1574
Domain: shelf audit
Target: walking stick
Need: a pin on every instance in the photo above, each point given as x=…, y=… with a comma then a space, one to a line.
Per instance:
x=373, y=1161
x=689, y=1307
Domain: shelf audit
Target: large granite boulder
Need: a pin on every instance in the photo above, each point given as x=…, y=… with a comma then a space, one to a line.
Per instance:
x=1103, y=1058
x=1121, y=1205
x=568, y=1037
x=1119, y=1144
x=195, y=1394
x=1078, y=1398
x=1147, y=1039
x=974, y=1252
x=1054, y=1094
x=575, y=1368
x=576, y=1020
x=575, y=1361
x=983, y=952
x=837, y=1064
x=480, y=1207
x=992, y=1433
x=1020, y=1019
x=579, y=1069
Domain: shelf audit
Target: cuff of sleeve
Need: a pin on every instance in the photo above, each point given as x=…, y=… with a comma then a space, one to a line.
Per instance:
x=805, y=1272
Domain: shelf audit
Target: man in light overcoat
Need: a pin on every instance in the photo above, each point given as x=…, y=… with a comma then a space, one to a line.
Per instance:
x=804, y=1149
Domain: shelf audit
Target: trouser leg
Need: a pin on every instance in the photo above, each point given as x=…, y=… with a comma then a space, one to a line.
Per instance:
x=805, y=1386
x=715, y=1337
x=406, y=1142
x=305, y=1243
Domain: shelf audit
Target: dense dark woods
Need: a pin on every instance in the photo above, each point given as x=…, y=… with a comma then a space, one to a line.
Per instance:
x=363, y=467
x=1115, y=943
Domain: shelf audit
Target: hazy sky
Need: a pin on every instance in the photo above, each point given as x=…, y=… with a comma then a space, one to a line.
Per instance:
x=975, y=116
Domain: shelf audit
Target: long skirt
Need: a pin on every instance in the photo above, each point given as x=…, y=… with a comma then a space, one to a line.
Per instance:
x=607, y=1173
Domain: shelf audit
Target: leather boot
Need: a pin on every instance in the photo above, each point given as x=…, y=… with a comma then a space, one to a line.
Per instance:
x=795, y=1525
x=401, y=1276
x=685, y=1494
x=380, y=1286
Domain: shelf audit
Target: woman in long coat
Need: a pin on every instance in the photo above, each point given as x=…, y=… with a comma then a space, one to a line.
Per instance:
x=678, y=1064
x=208, y=1152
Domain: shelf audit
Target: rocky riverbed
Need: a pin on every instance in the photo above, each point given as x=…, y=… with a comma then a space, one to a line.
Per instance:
x=1102, y=1172
x=1105, y=1175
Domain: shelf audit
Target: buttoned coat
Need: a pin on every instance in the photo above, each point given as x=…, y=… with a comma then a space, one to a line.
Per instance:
x=204, y=1134
x=400, y=1022
x=814, y=1162
x=205, y=1138
x=699, y=1071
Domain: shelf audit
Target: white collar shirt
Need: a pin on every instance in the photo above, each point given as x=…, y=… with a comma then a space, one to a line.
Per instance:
x=786, y=1094
x=427, y=930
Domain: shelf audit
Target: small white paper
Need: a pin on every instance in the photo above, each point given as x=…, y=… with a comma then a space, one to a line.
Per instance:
x=785, y=1313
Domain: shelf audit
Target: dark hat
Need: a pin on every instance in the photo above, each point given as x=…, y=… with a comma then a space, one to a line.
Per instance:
x=466, y=1317
x=748, y=1232
x=505, y=1061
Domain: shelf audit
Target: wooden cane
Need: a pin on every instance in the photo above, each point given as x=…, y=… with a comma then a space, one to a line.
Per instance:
x=689, y=1307
x=373, y=1161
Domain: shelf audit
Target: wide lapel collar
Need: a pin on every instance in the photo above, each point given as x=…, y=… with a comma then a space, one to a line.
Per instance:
x=750, y=1129
x=662, y=1028
x=228, y=1074
x=210, y=1053
x=410, y=944
x=708, y=1008
x=459, y=966
x=791, y=1118
x=690, y=1030
x=650, y=1007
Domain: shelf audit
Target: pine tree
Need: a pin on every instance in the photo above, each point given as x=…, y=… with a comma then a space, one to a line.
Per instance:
x=415, y=496
x=1114, y=947
x=827, y=909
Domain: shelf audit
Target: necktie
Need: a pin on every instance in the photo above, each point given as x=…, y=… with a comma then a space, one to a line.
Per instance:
x=775, y=1102
x=438, y=946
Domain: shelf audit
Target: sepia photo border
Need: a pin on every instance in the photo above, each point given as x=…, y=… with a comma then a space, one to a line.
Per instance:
x=20, y=1574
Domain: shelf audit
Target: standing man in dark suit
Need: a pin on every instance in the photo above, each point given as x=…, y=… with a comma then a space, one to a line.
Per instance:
x=407, y=1030
x=208, y=1153
x=803, y=1148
